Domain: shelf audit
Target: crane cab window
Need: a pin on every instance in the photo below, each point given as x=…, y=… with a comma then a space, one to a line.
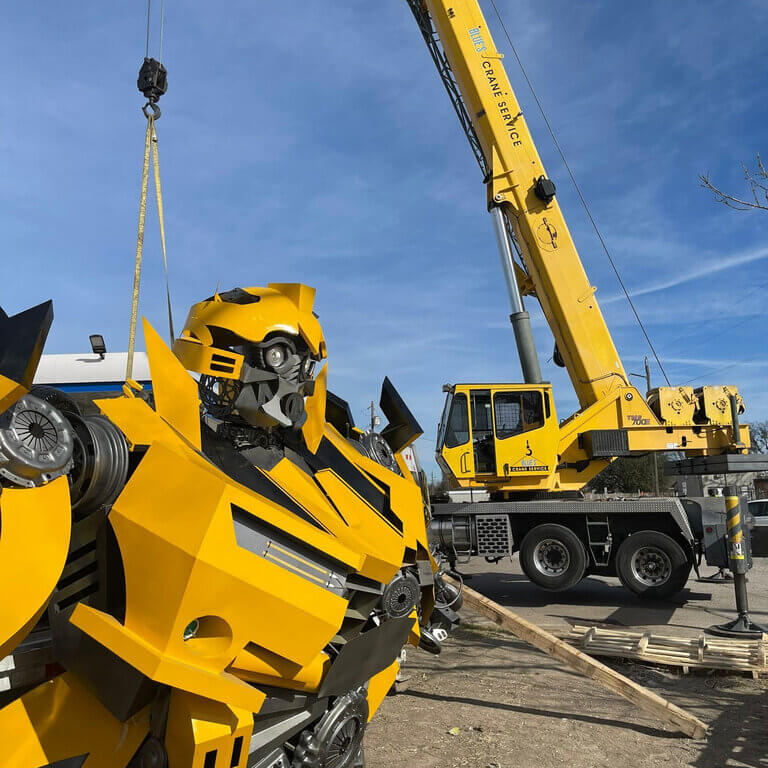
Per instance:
x=517, y=412
x=457, y=429
x=482, y=431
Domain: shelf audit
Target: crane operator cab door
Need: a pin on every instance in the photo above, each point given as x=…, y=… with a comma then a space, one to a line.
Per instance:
x=498, y=433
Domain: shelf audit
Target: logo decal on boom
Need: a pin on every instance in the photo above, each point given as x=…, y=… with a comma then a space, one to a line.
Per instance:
x=527, y=463
x=477, y=40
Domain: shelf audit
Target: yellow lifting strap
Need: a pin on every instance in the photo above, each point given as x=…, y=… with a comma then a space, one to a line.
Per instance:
x=150, y=151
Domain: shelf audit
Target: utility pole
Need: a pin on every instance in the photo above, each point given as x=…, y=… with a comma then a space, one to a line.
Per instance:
x=647, y=376
x=655, y=457
x=373, y=416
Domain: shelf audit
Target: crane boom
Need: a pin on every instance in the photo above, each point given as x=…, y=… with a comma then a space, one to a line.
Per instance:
x=506, y=437
x=473, y=72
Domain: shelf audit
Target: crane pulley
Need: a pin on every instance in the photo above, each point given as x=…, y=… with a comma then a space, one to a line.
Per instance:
x=153, y=83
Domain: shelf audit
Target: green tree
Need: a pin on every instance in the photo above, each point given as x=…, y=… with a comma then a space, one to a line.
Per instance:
x=438, y=488
x=630, y=474
x=759, y=433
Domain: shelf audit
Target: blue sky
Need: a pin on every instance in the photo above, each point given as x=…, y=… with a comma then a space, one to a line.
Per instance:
x=314, y=143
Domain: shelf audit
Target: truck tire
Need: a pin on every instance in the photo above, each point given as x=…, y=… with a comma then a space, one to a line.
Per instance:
x=652, y=565
x=553, y=557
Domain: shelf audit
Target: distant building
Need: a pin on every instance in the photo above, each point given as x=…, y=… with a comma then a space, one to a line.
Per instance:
x=90, y=375
x=753, y=485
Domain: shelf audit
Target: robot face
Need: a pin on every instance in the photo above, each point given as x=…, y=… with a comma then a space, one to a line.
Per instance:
x=256, y=350
x=276, y=376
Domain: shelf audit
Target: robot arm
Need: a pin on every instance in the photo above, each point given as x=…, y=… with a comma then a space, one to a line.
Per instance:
x=35, y=454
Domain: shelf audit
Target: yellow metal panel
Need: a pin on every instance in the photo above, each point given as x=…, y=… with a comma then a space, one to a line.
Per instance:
x=195, y=356
x=312, y=429
x=185, y=674
x=136, y=420
x=142, y=426
x=182, y=563
x=675, y=406
x=283, y=307
x=175, y=391
x=303, y=298
x=35, y=526
x=310, y=496
x=197, y=726
x=415, y=634
x=59, y=720
x=285, y=520
x=405, y=494
x=714, y=404
x=383, y=546
x=260, y=666
x=378, y=687
x=10, y=392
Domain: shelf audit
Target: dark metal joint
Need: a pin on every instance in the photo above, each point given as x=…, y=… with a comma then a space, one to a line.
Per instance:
x=544, y=189
x=152, y=80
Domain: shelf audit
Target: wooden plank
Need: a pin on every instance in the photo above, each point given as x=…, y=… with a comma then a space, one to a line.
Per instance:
x=545, y=641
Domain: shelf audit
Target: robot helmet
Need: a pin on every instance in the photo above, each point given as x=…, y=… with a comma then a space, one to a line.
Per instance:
x=255, y=350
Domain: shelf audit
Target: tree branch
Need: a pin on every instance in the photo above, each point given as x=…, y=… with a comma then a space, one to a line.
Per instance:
x=757, y=187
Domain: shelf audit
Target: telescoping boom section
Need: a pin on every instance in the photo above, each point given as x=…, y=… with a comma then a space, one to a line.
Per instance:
x=506, y=437
x=517, y=183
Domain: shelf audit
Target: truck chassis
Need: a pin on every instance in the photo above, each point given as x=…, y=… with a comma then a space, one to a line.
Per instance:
x=650, y=544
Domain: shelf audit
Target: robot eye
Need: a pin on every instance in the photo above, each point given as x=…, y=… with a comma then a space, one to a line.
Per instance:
x=275, y=356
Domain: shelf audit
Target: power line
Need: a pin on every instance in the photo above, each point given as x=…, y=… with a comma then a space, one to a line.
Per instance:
x=578, y=191
x=725, y=368
x=727, y=328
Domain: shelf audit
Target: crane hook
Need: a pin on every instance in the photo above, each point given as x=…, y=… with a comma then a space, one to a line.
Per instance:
x=155, y=107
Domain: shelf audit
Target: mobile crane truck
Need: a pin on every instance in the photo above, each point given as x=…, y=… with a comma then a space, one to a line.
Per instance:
x=505, y=439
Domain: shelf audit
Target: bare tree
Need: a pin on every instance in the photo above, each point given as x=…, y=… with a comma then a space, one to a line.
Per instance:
x=757, y=182
x=758, y=431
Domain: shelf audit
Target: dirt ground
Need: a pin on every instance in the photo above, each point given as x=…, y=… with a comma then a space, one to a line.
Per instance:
x=514, y=706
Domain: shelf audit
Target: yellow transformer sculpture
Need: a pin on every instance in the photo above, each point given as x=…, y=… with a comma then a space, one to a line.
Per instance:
x=224, y=572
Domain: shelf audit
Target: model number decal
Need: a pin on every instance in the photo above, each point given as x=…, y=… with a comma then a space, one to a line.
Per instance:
x=638, y=421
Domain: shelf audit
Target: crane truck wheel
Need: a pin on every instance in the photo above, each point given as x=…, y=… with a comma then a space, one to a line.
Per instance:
x=652, y=565
x=553, y=557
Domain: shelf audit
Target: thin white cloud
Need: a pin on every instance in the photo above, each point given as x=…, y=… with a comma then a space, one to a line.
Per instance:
x=697, y=272
x=702, y=361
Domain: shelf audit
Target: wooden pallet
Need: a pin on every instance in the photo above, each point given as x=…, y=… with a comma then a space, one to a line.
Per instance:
x=702, y=651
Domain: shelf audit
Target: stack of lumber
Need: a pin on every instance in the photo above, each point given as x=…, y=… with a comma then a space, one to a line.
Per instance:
x=545, y=641
x=702, y=651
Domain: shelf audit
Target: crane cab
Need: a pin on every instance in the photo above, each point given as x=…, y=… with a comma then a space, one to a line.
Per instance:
x=498, y=434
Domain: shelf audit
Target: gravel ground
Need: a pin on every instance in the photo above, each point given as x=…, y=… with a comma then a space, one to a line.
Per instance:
x=490, y=701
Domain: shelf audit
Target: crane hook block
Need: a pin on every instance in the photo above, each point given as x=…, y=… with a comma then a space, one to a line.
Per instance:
x=544, y=189
x=153, y=80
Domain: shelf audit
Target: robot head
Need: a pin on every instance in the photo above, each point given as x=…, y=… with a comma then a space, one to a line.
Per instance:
x=256, y=350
